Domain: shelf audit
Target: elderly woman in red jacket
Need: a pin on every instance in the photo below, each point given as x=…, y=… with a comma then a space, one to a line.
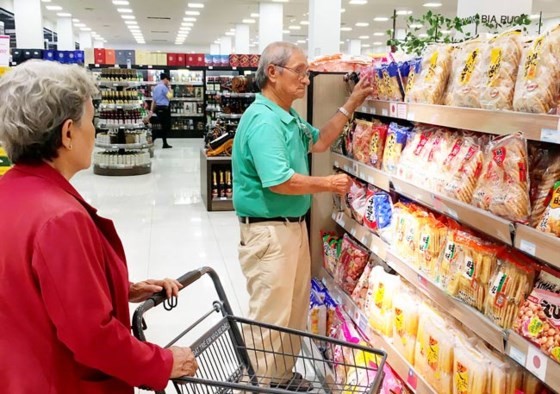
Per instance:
x=64, y=289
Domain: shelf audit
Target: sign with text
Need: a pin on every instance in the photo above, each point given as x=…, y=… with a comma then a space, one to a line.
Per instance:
x=496, y=11
x=4, y=50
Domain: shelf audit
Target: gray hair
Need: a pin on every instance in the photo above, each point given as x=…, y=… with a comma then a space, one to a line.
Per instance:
x=278, y=53
x=36, y=99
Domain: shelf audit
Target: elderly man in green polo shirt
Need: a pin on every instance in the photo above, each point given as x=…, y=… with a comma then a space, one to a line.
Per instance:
x=272, y=194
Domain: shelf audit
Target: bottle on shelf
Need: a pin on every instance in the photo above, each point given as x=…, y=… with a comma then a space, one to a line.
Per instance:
x=222, y=185
x=214, y=185
x=229, y=190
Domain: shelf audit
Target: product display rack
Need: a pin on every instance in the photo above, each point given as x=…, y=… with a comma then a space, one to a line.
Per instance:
x=207, y=166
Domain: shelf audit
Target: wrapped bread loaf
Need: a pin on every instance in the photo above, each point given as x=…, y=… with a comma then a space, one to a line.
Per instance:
x=538, y=78
x=500, y=64
x=468, y=75
x=429, y=86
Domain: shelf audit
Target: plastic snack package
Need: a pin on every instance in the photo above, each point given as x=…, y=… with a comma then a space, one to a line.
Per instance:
x=414, y=152
x=467, y=79
x=550, y=221
x=358, y=201
x=369, y=220
x=377, y=144
x=392, y=384
x=405, y=322
x=317, y=315
x=442, y=142
x=415, y=70
x=503, y=187
x=500, y=65
x=461, y=181
x=392, y=80
x=380, y=300
x=407, y=231
x=353, y=260
x=404, y=70
x=348, y=140
x=504, y=375
x=509, y=287
x=396, y=140
x=538, y=78
x=470, y=368
x=539, y=317
x=362, y=139
x=431, y=241
x=331, y=251
x=429, y=86
x=544, y=173
x=361, y=290
x=383, y=213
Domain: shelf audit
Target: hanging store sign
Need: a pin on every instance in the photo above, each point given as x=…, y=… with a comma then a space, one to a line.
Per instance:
x=4, y=50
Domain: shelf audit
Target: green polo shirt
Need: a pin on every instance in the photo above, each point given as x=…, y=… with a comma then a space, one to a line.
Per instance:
x=270, y=145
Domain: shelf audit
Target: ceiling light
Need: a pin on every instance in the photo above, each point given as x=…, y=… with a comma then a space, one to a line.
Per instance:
x=362, y=24
x=445, y=31
x=358, y=2
x=131, y=22
x=363, y=37
x=134, y=28
x=432, y=5
x=377, y=43
x=53, y=8
x=255, y=15
x=378, y=34
x=46, y=1
x=189, y=19
x=342, y=10
x=404, y=12
x=187, y=24
x=423, y=35
x=294, y=27
x=416, y=26
x=128, y=17
x=280, y=1
x=85, y=28
x=120, y=2
x=301, y=41
x=195, y=5
x=248, y=21
x=380, y=19
x=124, y=10
x=192, y=13
x=286, y=31
x=365, y=45
x=184, y=30
x=75, y=20
x=64, y=14
x=345, y=29
x=80, y=24
x=305, y=23
x=229, y=33
x=535, y=17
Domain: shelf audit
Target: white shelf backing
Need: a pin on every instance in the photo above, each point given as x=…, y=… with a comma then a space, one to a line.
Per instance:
x=538, y=244
x=398, y=362
x=366, y=173
x=538, y=127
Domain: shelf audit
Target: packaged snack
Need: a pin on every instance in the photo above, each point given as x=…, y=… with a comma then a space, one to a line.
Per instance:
x=470, y=369
x=392, y=384
x=369, y=218
x=382, y=210
x=348, y=140
x=353, y=260
x=416, y=149
x=504, y=375
x=317, y=315
x=539, y=317
x=407, y=232
x=405, y=322
x=544, y=173
x=467, y=80
x=462, y=181
x=429, y=86
x=383, y=288
x=503, y=188
x=332, y=308
x=404, y=70
x=396, y=141
x=392, y=81
x=377, y=144
x=362, y=139
x=331, y=251
x=550, y=221
x=538, y=79
x=360, y=291
x=381, y=83
x=509, y=287
x=442, y=142
x=500, y=64
x=358, y=200
x=415, y=66
x=433, y=234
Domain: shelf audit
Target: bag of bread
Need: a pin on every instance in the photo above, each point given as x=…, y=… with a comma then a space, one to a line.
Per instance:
x=429, y=86
x=508, y=287
x=361, y=140
x=405, y=322
x=377, y=144
x=544, y=173
x=468, y=75
x=500, y=64
x=538, y=79
x=503, y=188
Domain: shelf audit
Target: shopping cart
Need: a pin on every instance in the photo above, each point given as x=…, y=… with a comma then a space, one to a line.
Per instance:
x=224, y=352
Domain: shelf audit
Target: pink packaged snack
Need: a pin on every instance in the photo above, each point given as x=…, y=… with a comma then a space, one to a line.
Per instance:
x=353, y=261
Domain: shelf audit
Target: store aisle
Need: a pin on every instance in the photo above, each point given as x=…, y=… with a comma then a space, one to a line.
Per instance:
x=166, y=231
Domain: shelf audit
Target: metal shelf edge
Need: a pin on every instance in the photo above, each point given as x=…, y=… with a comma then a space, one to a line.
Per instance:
x=535, y=243
x=364, y=172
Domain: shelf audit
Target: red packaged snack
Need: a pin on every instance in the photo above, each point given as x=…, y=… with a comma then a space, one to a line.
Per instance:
x=353, y=261
x=369, y=217
x=377, y=144
x=362, y=139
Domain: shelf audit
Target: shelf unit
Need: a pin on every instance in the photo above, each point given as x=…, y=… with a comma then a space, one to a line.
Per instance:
x=207, y=166
x=124, y=146
x=121, y=170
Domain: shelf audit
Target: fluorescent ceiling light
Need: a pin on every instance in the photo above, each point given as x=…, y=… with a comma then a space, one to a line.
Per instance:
x=423, y=35
x=286, y=31
x=362, y=24
x=301, y=41
x=192, y=13
x=46, y=1
x=134, y=28
x=229, y=33
x=85, y=28
x=255, y=15
x=358, y=2
x=131, y=22
x=535, y=17
x=378, y=34
x=75, y=20
x=380, y=19
x=53, y=8
x=404, y=12
x=249, y=21
x=377, y=43
x=124, y=10
x=432, y=5
x=305, y=23
x=189, y=19
x=64, y=14
x=363, y=37
x=294, y=27
x=128, y=17
x=280, y=1
x=342, y=10
x=80, y=24
x=187, y=24
x=416, y=26
x=195, y=5
x=445, y=31
x=365, y=45
x=120, y=2
x=345, y=29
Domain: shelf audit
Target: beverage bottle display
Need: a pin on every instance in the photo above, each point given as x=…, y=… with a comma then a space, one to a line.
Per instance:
x=229, y=190
x=222, y=185
x=214, y=185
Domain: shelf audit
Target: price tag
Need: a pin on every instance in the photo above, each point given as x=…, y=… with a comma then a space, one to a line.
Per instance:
x=353, y=231
x=342, y=222
x=355, y=168
x=384, y=112
x=393, y=109
x=361, y=175
x=397, y=188
x=422, y=281
x=552, y=136
x=210, y=67
x=411, y=116
x=528, y=247
x=517, y=355
x=149, y=66
x=401, y=111
x=536, y=363
x=97, y=65
x=363, y=322
x=364, y=109
x=365, y=240
x=336, y=164
x=346, y=168
x=452, y=213
x=370, y=179
x=375, y=249
x=412, y=379
x=372, y=110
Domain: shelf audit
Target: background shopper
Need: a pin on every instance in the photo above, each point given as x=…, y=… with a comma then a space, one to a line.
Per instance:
x=272, y=194
x=160, y=106
x=65, y=291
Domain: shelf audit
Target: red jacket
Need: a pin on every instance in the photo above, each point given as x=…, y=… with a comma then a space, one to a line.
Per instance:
x=64, y=317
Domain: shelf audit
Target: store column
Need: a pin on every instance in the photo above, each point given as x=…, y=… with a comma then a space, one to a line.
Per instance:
x=271, y=17
x=355, y=47
x=496, y=10
x=225, y=45
x=242, y=39
x=65, y=34
x=85, y=40
x=29, y=24
x=324, y=27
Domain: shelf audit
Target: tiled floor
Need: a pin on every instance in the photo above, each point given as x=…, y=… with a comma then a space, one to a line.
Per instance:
x=166, y=231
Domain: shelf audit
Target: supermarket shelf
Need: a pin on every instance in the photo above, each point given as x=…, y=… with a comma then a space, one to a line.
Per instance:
x=114, y=84
x=222, y=199
x=122, y=126
x=538, y=127
x=475, y=320
x=235, y=95
x=399, y=363
x=121, y=170
x=124, y=146
x=190, y=99
x=222, y=205
x=187, y=115
x=121, y=106
x=534, y=360
x=228, y=116
x=363, y=234
x=364, y=172
x=484, y=221
x=538, y=244
x=219, y=159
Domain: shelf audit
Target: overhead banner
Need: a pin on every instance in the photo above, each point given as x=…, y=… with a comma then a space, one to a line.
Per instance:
x=500, y=11
x=4, y=50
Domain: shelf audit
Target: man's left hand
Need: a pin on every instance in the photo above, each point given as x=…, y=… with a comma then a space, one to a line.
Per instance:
x=141, y=291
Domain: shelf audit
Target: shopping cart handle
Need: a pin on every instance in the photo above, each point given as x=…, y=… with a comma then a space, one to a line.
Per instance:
x=187, y=279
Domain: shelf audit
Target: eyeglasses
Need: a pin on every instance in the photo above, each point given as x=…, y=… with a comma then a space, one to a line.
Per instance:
x=301, y=74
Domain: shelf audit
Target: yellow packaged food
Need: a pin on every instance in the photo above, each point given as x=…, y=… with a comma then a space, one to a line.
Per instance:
x=405, y=322
x=504, y=375
x=407, y=233
x=550, y=221
x=383, y=287
x=468, y=75
x=470, y=369
x=429, y=86
x=462, y=180
x=432, y=236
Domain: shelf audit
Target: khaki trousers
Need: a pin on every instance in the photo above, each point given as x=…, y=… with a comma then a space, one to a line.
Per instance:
x=275, y=259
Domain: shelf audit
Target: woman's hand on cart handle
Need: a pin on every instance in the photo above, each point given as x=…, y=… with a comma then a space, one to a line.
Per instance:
x=184, y=362
x=141, y=291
